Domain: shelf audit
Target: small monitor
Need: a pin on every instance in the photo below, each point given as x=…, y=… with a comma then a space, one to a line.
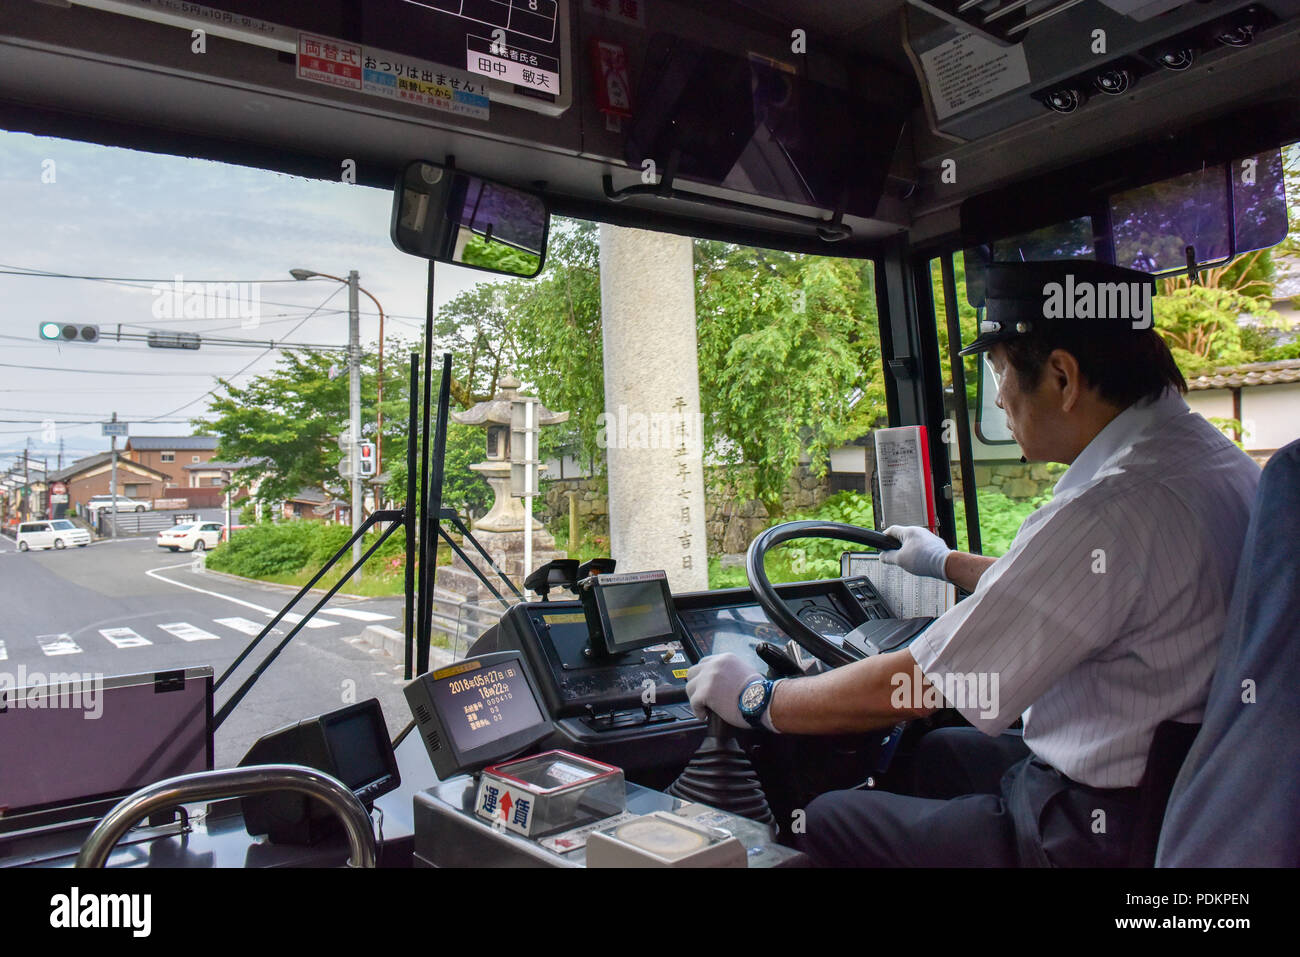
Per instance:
x=629, y=611
x=478, y=712
x=350, y=744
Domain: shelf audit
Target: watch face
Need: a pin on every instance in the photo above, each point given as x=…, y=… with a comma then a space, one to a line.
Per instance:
x=752, y=697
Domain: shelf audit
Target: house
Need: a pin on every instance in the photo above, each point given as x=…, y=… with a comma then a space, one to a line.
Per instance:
x=312, y=503
x=88, y=477
x=1263, y=396
x=171, y=454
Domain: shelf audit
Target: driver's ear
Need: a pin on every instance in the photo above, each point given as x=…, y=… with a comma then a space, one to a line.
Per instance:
x=1062, y=372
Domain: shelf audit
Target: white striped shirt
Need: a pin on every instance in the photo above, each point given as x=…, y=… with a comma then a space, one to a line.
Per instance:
x=1106, y=613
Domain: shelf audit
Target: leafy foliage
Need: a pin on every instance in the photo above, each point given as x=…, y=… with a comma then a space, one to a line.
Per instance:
x=787, y=348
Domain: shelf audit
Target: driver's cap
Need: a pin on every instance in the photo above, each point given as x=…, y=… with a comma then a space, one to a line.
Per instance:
x=1021, y=297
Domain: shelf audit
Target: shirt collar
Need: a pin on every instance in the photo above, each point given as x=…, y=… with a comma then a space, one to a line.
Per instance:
x=1120, y=433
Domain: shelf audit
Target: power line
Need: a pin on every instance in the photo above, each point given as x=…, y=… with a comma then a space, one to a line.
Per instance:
x=211, y=391
x=8, y=269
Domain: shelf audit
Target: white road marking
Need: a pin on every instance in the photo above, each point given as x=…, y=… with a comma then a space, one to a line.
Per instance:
x=58, y=645
x=246, y=626
x=152, y=573
x=293, y=618
x=4, y=653
x=358, y=615
x=124, y=638
x=187, y=632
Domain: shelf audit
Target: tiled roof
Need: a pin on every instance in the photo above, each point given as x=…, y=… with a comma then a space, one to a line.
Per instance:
x=168, y=443
x=1254, y=373
x=94, y=461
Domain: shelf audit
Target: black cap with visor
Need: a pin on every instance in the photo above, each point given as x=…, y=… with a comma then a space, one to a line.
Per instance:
x=1020, y=297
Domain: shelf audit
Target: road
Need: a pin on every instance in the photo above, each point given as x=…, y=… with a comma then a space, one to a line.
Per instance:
x=129, y=607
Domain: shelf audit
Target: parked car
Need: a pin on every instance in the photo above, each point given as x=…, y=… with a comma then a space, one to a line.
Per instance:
x=59, y=533
x=124, y=504
x=191, y=536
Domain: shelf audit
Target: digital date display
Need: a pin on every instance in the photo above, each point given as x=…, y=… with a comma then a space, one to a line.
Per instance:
x=479, y=707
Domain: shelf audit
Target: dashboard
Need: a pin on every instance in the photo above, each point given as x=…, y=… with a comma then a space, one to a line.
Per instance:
x=630, y=709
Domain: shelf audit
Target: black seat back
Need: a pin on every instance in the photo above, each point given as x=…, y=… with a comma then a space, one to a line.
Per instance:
x=1169, y=748
x=1235, y=800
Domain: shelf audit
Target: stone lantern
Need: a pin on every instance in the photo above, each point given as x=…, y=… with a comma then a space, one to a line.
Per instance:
x=501, y=530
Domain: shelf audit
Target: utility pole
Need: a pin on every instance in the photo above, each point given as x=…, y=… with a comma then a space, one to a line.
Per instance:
x=60, y=453
x=26, y=499
x=112, y=482
x=354, y=405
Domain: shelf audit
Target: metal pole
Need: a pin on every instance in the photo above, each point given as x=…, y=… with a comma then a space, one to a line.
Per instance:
x=112, y=481
x=379, y=401
x=354, y=405
x=530, y=449
x=409, y=511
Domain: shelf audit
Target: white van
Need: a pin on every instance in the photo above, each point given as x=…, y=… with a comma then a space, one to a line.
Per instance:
x=58, y=533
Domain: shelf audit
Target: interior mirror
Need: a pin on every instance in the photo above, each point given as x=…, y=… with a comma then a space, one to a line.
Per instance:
x=452, y=216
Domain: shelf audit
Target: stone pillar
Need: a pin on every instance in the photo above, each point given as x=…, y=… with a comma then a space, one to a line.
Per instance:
x=651, y=424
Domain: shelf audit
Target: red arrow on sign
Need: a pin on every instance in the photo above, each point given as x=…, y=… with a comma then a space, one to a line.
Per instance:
x=505, y=806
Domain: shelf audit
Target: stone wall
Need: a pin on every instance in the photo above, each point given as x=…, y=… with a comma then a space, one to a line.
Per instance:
x=1016, y=480
x=729, y=523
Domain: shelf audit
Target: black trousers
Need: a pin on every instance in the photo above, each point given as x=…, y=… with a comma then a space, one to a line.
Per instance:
x=968, y=809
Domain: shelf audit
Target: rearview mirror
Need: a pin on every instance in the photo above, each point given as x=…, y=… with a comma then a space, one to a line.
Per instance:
x=451, y=216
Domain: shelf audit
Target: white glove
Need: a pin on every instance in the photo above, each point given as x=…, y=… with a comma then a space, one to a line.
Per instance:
x=716, y=682
x=923, y=552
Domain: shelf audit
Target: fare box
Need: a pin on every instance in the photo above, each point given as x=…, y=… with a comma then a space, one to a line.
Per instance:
x=549, y=792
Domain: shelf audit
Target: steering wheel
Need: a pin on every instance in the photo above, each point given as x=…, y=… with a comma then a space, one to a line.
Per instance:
x=776, y=609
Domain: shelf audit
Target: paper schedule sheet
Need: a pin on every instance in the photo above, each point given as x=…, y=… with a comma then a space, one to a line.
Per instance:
x=902, y=474
x=907, y=595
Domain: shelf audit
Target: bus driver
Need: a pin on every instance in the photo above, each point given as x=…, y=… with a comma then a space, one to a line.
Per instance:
x=1100, y=622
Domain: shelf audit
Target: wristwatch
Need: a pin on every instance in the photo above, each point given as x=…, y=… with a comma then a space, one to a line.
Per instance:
x=754, y=699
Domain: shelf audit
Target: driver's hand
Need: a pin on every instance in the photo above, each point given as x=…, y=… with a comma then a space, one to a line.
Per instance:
x=923, y=552
x=716, y=682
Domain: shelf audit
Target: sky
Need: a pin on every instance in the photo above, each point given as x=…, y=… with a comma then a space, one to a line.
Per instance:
x=121, y=213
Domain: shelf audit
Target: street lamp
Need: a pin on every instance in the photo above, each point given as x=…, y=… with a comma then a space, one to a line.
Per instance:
x=379, y=426
x=354, y=387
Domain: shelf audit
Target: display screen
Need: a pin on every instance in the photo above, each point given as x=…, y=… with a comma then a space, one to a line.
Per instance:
x=485, y=705
x=635, y=610
x=737, y=629
x=112, y=736
x=358, y=752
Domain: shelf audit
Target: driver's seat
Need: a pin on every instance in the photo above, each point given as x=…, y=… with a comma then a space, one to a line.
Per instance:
x=1234, y=802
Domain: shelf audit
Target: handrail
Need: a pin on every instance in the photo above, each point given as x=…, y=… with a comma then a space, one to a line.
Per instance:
x=234, y=782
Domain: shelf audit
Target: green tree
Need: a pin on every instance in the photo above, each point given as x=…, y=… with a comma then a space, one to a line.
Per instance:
x=287, y=423
x=789, y=356
x=558, y=338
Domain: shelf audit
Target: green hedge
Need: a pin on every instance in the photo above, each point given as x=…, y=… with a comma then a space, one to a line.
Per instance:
x=285, y=548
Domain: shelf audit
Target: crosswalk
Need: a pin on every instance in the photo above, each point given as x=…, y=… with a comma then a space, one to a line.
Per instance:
x=122, y=637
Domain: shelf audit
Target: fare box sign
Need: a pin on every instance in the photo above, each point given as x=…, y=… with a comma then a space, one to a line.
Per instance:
x=392, y=76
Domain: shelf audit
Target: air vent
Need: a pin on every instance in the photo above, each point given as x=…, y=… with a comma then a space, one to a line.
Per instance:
x=422, y=714
x=1002, y=21
x=433, y=741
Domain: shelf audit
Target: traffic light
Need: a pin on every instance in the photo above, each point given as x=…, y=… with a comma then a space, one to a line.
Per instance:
x=69, y=332
x=367, y=458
